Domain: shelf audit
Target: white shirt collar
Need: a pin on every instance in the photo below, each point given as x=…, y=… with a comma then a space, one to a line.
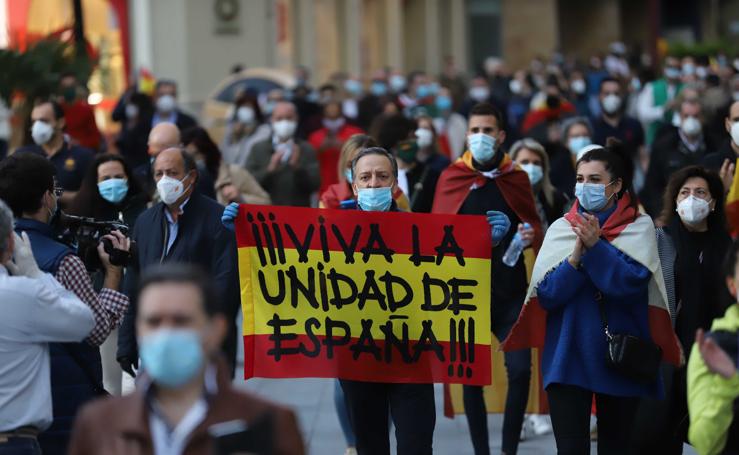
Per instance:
x=181, y=209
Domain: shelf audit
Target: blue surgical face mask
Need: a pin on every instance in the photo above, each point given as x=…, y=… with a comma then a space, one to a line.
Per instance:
x=575, y=144
x=378, y=88
x=397, y=83
x=443, y=103
x=348, y=175
x=113, y=190
x=592, y=196
x=375, y=199
x=353, y=86
x=422, y=91
x=482, y=147
x=536, y=173
x=172, y=357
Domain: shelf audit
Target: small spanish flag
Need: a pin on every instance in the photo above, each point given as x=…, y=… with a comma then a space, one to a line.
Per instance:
x=147, y=82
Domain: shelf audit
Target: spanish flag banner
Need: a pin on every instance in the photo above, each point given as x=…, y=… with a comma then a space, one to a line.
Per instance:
x=369, y=296
x=732, y=204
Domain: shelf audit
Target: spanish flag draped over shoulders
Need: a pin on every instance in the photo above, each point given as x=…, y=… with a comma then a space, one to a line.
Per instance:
x=461, y=177
x=634, y=235
x=452, y=189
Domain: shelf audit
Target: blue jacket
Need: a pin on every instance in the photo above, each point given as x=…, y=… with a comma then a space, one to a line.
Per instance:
x=575, y=343
x=201, y=240
x=76, y=368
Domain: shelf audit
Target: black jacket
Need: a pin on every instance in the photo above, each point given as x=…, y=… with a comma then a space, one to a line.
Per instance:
x=714, y=161
x=669, y=154
x=201, y=240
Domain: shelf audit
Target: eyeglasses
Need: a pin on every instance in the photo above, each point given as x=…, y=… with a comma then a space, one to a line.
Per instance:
x=58, y=190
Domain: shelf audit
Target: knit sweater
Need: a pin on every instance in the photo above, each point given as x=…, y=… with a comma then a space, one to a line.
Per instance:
x=575, y=344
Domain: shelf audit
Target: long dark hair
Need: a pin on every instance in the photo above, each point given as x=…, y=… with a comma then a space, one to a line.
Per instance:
x=88, y=201
x=200, y=138
x=617, y=161
x=717, y=218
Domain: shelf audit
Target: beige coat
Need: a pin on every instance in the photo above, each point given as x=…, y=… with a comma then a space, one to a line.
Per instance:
x=250, y=190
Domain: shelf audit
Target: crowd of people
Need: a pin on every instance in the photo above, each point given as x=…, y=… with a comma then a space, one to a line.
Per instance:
x=576, y=161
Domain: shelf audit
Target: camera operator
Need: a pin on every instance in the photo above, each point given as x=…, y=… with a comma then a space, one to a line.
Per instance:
x=36, y=311
x=27, y=184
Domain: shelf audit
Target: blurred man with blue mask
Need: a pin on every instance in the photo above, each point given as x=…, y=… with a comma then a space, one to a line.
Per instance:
x=485, y=181
x=186, y=387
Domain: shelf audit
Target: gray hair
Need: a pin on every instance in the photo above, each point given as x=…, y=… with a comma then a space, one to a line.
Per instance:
x=6, y=226
x=530, y=144
x=570, y=122
x=375, y=151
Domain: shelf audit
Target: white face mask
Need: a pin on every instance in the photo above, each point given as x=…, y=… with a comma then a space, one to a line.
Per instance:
x=479, y=93
x=131, y=111
x=690, y=126
x=166, y=103
x=170, y=189
x=578, y=86
x=284, y=129
x=515, y=86
x=41, y=132
x=693, y=210
x=735, y=132
x=611, y=103
x=424, y=137
x=245, y=114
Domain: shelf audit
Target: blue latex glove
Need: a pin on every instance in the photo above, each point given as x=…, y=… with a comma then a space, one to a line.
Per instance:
x=499, y=224
x=229, y=215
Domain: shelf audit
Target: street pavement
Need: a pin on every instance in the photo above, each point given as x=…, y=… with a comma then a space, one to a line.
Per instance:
x=313, y=402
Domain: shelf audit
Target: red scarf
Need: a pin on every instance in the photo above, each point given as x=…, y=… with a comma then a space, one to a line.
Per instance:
x=624, y=215
x=456, y=182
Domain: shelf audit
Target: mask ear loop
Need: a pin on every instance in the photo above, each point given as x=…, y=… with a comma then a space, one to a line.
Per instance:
x=614, y=194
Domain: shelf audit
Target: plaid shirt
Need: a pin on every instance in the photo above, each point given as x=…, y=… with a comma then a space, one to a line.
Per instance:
x=108, y=306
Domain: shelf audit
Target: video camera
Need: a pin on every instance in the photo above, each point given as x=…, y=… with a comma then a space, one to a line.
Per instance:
x=84, y=234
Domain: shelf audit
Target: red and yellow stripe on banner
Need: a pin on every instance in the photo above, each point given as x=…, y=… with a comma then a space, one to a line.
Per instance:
x=732, y=204
x=495, y=394
x=371, y=296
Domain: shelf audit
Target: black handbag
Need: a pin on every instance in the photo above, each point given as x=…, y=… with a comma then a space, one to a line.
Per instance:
x=632, y=357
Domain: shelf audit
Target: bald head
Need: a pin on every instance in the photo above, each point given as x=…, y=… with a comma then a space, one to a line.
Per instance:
x=163, y=136
x=284, y=110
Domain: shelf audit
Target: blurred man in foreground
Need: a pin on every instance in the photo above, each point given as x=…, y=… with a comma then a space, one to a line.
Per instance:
x=186, y=390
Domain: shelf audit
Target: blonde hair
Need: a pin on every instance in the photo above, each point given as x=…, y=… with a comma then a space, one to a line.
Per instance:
x=350, y=148
x=530, y=144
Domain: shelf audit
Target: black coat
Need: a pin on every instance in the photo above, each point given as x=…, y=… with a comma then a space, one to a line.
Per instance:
x=201, y=240
x=714, y=161
x=669, y=154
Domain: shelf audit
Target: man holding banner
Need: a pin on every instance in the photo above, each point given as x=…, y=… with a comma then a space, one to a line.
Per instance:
x=371, y=298
x=483, y=181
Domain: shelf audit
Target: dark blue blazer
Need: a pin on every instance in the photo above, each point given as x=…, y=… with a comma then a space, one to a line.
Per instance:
x=201, y=240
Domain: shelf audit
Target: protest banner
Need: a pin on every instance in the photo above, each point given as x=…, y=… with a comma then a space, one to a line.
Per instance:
x=370, y=296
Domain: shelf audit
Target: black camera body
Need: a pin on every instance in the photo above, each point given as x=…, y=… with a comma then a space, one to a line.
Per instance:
x=84, y=234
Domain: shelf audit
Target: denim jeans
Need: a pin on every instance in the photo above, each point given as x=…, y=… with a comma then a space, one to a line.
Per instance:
x=20, y=446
